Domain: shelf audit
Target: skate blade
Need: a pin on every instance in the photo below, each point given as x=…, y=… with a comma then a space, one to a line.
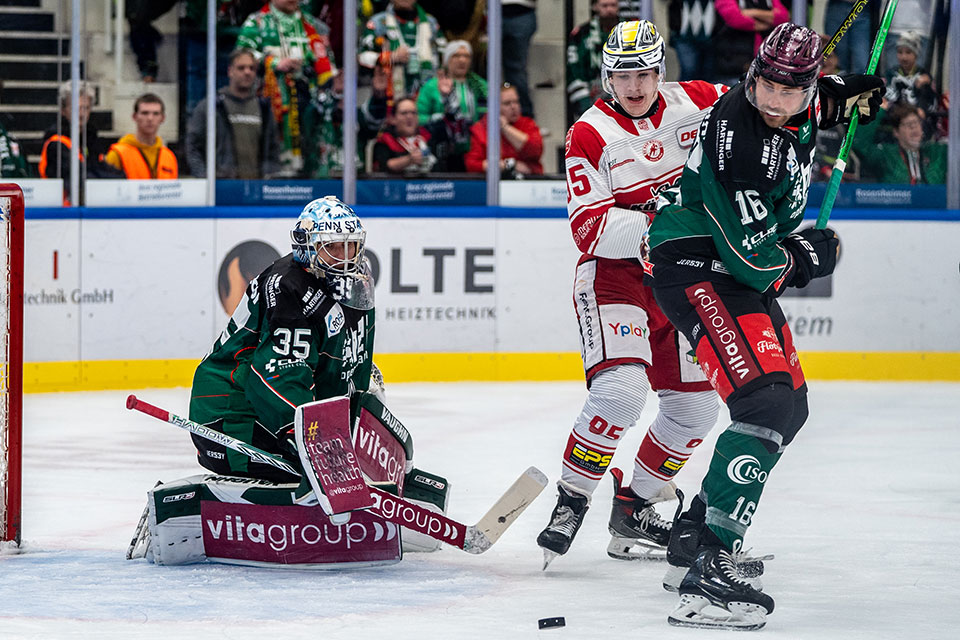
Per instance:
x=673, y=577
x=548, y=557
x=698, y=612
x=635, y=549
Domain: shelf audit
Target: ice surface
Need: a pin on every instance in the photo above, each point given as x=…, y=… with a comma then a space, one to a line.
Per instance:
x=863, y=514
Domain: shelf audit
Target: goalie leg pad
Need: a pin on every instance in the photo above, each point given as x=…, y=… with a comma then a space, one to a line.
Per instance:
x=251, y=522
x=383, y=445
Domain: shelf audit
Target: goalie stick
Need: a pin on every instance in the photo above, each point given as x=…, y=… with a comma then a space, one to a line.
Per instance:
x=474, y=539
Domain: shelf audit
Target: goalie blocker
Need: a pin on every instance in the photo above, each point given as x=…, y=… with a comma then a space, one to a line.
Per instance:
x=248, y=521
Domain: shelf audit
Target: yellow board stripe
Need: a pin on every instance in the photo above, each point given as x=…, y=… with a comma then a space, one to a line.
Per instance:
x=929, y=366
x=484, y=367
x=97, y=375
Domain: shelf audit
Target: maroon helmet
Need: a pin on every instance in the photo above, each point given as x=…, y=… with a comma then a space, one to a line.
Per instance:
x=791, y=55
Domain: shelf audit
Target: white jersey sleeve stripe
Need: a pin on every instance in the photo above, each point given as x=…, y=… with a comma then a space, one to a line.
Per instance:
x=621, y=234
x=593, y=205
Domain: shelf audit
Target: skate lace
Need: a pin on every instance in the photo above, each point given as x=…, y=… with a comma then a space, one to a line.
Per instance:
x=728, y=564
x=565, y=521
x=744, y=557
x=649, y=517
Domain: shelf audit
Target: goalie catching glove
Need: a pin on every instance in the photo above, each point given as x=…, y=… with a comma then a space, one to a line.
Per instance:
x=814, y=252
x=846, y=92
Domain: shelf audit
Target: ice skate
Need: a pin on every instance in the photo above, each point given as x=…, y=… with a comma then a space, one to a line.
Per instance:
x=714, y=596
x=682, y=547
x=682, y=551
x=680, y=557
x=638, y=532
x=565, y=521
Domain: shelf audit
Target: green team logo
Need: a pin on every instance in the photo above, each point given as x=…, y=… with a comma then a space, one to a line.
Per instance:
x=805, y=129
x=746, y=469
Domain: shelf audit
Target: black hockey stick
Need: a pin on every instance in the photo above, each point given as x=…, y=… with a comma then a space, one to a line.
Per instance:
x=474, y=539
x=855, y=11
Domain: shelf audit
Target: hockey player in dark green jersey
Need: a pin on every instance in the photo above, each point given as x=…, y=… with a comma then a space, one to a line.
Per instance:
x=302, y=332
x=723, y=247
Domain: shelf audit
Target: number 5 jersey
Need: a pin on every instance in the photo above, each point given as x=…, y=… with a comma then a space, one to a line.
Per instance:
x=616, y=166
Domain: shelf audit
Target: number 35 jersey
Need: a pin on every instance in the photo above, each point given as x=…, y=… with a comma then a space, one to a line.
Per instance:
x=743, y=190
x=616, y=166
x=287, y=343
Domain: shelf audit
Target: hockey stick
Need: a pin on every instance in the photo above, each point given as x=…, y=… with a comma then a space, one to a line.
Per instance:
x=840, y=165
x=255, y=454
x=857, y=9
x=139, y=534
x=471, y=538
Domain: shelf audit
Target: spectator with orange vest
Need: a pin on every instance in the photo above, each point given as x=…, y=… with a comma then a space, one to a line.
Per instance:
x=57, y=145
x=142, y=155
x=521, y=144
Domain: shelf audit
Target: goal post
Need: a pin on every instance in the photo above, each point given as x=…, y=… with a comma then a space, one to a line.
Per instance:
x=11, y=360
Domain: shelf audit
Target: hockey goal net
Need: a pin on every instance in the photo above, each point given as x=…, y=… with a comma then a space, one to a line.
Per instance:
x=11, y=360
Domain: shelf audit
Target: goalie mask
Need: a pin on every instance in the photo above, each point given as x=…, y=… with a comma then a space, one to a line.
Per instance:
x=634, y=45
x=782, y=79
x=328, y=240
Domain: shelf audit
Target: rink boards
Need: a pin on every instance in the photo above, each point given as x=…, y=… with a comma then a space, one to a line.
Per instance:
x=128, y=298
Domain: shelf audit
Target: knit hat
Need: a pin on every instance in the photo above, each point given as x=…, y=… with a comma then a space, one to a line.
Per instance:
x=910, y=40
x=453, y=47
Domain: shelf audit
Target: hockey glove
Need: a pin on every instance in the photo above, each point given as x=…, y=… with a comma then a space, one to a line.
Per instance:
x=846, y=92
x=814, y=254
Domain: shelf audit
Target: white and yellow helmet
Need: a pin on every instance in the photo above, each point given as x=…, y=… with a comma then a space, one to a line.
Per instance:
x=632, y=45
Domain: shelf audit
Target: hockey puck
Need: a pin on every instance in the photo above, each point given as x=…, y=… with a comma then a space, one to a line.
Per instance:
x=549, y=623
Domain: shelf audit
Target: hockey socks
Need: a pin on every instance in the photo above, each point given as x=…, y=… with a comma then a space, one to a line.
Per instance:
x=614, y=404
x=738, y=471
x=671, y=439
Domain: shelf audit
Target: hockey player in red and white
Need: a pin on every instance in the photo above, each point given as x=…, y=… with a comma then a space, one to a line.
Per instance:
x=620, y=155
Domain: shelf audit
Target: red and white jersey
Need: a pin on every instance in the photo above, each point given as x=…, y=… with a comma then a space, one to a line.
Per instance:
x=616, y=166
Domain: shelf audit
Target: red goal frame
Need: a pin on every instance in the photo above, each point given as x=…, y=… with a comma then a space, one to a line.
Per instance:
x=11, y=362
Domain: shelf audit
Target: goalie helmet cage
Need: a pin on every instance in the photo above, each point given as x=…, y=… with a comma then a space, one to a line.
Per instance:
x=11, y=359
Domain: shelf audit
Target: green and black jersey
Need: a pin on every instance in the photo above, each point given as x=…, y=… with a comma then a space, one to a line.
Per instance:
x=13, y=164
x=584, y=51
x=743, y=189
x=287, y=343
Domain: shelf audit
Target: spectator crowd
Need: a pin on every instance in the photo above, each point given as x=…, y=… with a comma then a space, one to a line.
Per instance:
x=423, y=97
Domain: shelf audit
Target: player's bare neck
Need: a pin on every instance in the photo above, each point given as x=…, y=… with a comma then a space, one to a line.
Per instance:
x=653, y=109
